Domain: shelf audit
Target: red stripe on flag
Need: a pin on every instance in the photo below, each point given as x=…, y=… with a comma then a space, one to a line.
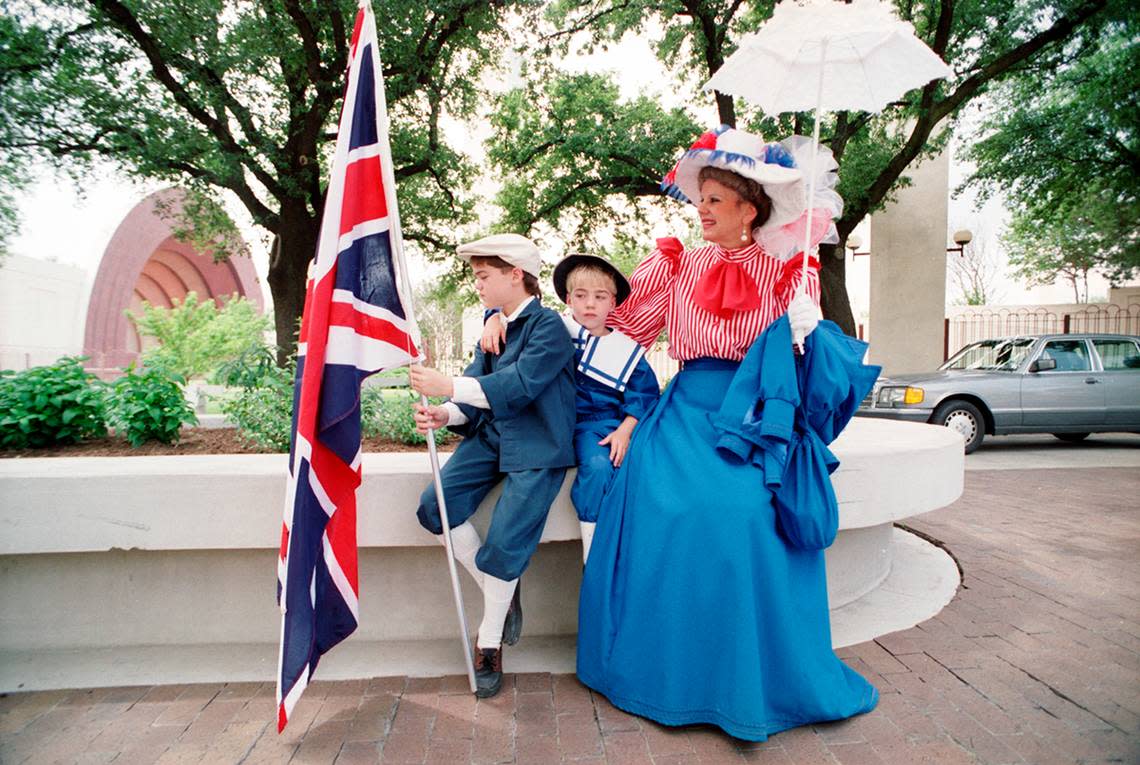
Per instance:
x=363, y=194
x=344, y=315
x=284, y=541
x=341, y=531
x=337, y=479
x=308, y=403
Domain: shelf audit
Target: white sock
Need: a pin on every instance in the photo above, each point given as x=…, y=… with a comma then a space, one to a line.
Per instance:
x=497, y=595
x=587, y=538
x=465, y=542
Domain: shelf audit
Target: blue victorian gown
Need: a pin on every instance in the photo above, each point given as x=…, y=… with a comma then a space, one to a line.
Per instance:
x=693, y=607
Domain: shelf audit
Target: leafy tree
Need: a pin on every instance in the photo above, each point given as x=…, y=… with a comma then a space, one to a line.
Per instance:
x=1065, y=150
x=233, y=97
x=983, y=41
x=195, y=338
x=1069, y=250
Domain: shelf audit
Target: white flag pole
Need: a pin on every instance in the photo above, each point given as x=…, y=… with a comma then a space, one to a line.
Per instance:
x=404, y=286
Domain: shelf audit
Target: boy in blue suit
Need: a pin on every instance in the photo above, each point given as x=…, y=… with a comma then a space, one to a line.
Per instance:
x=615, y=386
x=516, y=413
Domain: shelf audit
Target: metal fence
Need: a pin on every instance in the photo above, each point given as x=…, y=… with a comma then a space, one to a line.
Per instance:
x=972, y=326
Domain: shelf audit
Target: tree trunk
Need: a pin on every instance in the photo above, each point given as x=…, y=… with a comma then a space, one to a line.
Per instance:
x=726, y=109
x=293, y=248
x=833, y=281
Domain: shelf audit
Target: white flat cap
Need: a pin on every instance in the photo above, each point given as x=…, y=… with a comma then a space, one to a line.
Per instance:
x=517, y=250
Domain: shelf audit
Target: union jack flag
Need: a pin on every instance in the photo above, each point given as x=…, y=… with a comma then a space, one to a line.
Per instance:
x=354, y=325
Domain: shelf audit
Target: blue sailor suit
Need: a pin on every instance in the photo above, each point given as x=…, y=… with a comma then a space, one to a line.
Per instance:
x=612, y=380
x=523, y=439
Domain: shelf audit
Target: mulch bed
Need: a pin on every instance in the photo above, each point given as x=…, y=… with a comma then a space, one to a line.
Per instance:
x=193, y=441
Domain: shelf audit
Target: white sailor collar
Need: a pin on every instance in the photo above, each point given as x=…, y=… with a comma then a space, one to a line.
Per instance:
x=610, y=359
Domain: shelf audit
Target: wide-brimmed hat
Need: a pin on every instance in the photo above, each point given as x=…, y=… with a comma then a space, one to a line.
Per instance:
x=515, y=249
x=747, y=155
x=570, y=262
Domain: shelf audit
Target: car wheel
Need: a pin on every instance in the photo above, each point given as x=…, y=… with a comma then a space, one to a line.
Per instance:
x=1071, y=438
x=965, y=418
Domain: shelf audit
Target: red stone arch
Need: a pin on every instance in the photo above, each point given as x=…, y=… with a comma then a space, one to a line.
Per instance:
x=143, y=261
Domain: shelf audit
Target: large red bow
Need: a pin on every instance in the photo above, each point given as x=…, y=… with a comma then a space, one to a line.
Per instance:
x=792, y=270
x=726, y=288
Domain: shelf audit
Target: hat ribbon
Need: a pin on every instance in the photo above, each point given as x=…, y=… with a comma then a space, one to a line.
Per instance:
x=726, y=288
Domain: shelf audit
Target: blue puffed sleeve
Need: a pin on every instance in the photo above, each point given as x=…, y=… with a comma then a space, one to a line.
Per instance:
x=757, y=419
x=545, y=355
x=641, y=392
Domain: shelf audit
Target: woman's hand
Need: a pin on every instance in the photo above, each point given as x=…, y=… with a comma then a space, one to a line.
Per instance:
x=494, y=334
x=618, y=440
x=430, y=382
x=433, y=417
x=803, y=316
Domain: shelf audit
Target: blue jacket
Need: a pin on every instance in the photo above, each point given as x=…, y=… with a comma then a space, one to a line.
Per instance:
x=597, y=401
x=530, y=387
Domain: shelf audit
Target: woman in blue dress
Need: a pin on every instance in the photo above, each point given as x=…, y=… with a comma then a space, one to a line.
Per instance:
x=693, y=608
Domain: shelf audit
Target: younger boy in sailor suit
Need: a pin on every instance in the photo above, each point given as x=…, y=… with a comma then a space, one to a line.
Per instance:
x=614, y=385
x=516, y=413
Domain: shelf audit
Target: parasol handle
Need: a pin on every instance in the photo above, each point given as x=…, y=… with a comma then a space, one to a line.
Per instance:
x=802, y=287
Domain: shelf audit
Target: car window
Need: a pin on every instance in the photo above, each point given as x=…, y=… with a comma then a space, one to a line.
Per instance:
x=1118, y=354
x=991, y=355
x=1070, y=355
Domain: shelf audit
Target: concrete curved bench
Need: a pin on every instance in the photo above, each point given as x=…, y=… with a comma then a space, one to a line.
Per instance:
x=142, y=562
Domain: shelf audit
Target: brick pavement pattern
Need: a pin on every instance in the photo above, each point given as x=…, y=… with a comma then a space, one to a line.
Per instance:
x=1037, y=660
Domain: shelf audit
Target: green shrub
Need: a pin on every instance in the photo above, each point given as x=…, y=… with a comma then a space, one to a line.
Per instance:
x=51, y=405
x=392, y=417
x=149, y=406
x=248, y=368
x=195, y=338
x=263, y=413
x=263, y=410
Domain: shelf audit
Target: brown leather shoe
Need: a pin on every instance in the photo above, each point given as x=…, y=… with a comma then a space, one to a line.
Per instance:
x=488, y=672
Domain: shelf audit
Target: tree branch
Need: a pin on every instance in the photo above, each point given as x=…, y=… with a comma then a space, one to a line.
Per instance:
x=125, y=20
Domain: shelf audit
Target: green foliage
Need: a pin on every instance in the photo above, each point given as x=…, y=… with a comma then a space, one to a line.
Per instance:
x=263, y=410
x=197, y=337
x=984, y=41
x=1069, y=250
x=51, y=405
x=388, y=414
x=570, y=144
x=1065, y=150
x=238, y=99
x=248, y=368
x=148, y=405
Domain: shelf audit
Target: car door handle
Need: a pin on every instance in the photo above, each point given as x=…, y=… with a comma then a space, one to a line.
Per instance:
x=1091, y=381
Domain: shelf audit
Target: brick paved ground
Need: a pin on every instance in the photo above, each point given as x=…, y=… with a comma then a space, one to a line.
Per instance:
x=1037, y=660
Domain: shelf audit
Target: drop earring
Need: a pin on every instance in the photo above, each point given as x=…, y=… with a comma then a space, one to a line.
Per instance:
x=744, y=235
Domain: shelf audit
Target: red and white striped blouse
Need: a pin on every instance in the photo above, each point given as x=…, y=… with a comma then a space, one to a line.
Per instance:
x=662, y=296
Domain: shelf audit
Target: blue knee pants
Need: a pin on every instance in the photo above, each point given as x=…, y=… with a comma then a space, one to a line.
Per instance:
x=595, y=471
x=519, y=515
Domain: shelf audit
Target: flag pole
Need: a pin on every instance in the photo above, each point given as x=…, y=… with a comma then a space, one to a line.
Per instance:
x=404, y=285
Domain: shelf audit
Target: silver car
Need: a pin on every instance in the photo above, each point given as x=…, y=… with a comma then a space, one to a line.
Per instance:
x=1067, y=385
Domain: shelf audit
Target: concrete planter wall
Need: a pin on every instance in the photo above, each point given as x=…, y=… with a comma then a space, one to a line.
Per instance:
x=101, y=556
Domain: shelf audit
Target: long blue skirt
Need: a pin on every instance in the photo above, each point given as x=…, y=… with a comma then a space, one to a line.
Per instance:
x=693, y=609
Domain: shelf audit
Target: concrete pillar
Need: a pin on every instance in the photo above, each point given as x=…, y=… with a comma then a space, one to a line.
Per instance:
x=908, y=273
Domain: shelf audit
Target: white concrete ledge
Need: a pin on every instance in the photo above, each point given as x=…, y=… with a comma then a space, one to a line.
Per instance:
x=888, y=471
x=99, y=555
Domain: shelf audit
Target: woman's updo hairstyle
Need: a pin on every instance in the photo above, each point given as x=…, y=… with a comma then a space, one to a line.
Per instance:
x=751, y=191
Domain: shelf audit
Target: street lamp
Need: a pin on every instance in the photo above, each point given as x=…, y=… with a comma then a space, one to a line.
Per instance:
x=854, y=242
x=962, y=237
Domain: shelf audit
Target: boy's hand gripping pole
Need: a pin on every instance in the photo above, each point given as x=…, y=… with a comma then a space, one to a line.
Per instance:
x=455, y=591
